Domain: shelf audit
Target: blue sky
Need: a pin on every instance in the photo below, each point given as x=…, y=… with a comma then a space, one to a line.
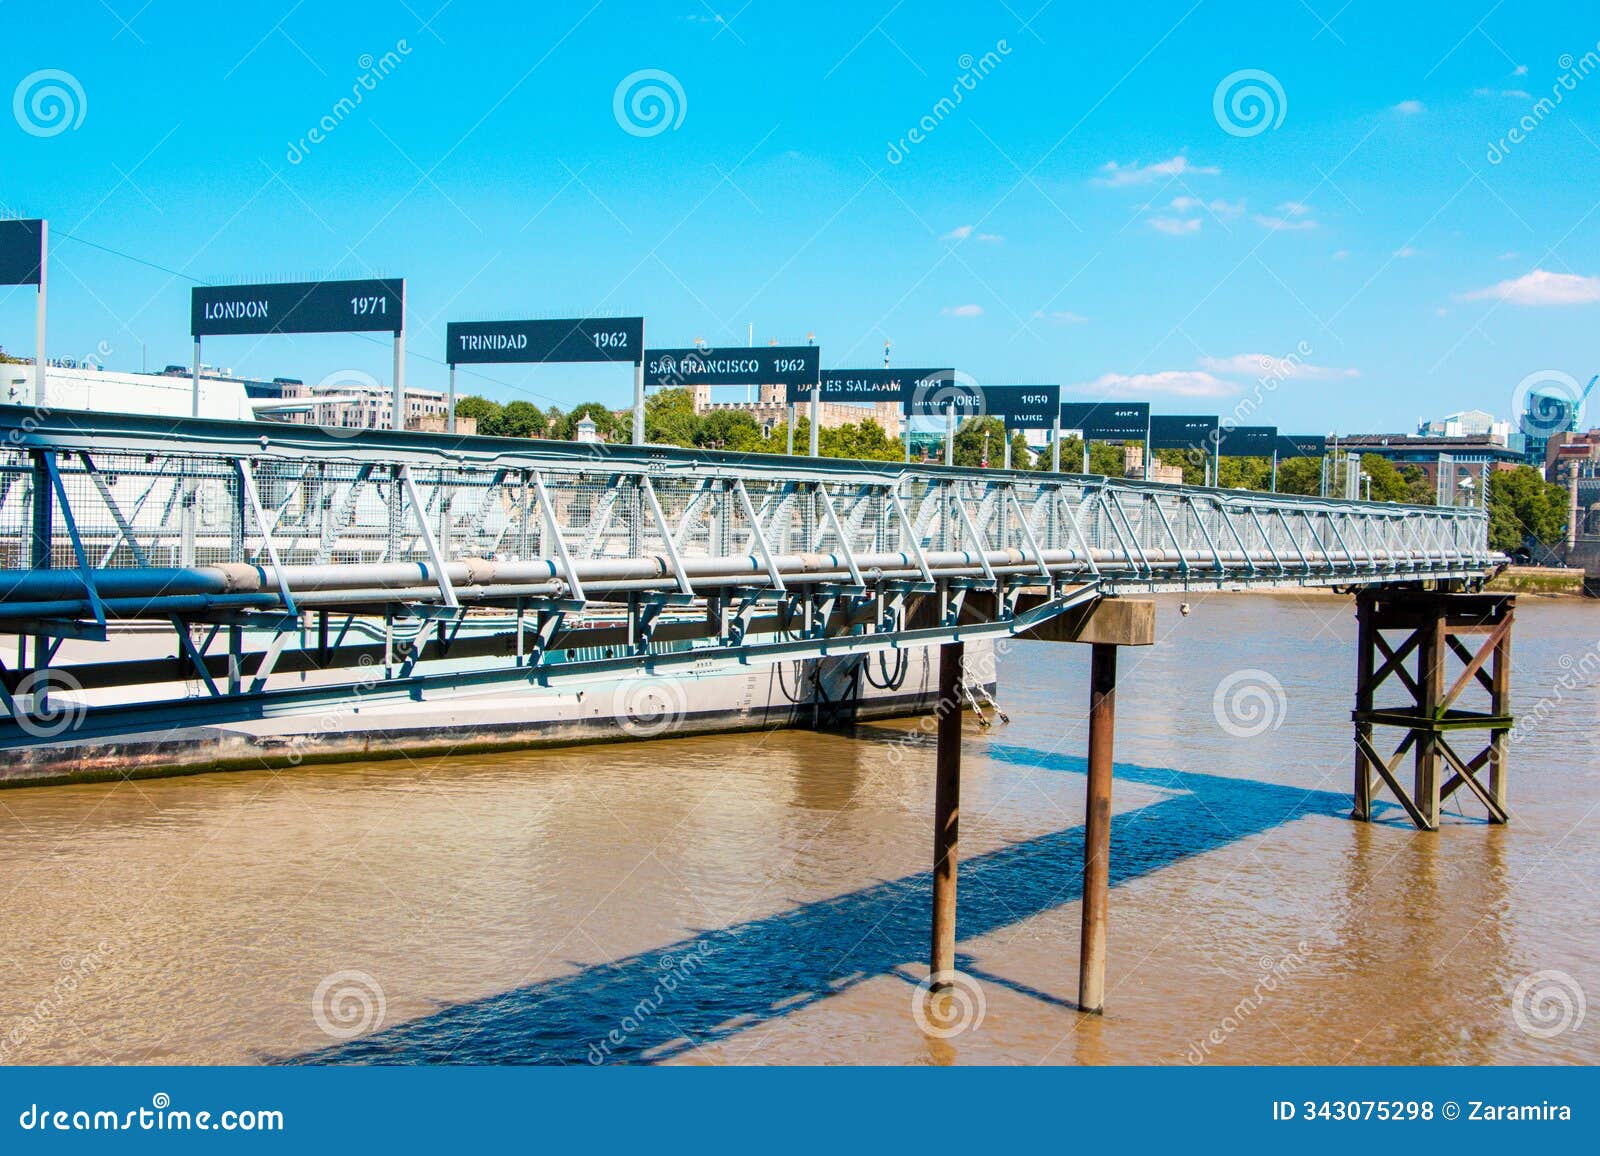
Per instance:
x=1088, y=214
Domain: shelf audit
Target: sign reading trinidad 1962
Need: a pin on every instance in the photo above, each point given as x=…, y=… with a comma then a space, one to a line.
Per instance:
x=371, y=306
x=758, y=365
x=574, y=339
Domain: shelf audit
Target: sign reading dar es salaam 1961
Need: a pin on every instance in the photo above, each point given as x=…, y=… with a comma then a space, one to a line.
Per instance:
x=21, y=244
x=575, y=339
x=371, y=306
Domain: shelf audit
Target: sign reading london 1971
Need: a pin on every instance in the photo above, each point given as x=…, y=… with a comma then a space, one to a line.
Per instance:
x=879, y=384
x=757, y=365
x=372, y=306
x=21, y=243
x=576, y=339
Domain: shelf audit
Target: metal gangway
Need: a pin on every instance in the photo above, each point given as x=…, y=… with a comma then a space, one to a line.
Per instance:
x=276, y=552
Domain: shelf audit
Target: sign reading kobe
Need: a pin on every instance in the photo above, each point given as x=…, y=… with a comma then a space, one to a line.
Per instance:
x=370, y=306
x=771, y=365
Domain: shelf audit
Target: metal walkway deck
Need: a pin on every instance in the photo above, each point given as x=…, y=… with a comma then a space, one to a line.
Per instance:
x=269, y=548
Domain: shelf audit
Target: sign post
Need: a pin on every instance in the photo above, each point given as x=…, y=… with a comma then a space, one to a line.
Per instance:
x=1296, y=446
x=365, y=306
x=1022, y=407
x=797, y=368
x=565, y=340
x=1107, y=421
x=24, y=260
x=1183, y=432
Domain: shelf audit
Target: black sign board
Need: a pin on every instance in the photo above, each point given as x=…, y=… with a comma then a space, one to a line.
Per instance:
x=1024, y=406
x=298, y=307
x=1247, y=441
x=1302, y=445
x=869, y=384
x=1117, y=421
x=1183, y=432
x=758, y=365
x=21, y=247
x=577, y=339
x=942, y=392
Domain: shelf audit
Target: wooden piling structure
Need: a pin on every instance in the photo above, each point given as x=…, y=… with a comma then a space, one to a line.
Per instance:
x=946, y=813
x=1434, y=623
x=1097, y=828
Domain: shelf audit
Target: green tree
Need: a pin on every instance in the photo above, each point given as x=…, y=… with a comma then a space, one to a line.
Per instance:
x=669, y=418
x=1244, y=473
x=729, y=429
x=487, y=413
x=1524, y=509
x=522, y=419
x=1300, y=476
x=865, y=440
x=1193, y=463
x=606, y=423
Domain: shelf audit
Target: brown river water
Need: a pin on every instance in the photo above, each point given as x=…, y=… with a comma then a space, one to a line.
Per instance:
x=763, y=898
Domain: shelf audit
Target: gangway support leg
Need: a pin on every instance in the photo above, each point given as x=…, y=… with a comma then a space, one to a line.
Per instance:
x=1097, y=828
x=946, y=816
x=1416, y=638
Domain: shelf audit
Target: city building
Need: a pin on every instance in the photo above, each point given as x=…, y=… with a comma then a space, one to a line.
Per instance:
x=1547, y=416
x=360, y=403
x=770, y=409
x=1469, y=455
x=1468, y=423
x=167, y=394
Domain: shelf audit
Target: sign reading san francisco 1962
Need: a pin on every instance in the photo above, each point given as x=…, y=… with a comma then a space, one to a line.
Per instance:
x=368, y=306
x=759, y=365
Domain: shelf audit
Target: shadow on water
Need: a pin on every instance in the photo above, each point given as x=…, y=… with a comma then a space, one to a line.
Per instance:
x=712, y=985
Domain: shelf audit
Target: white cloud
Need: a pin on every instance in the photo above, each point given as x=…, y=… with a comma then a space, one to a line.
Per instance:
x=1514, y=93
x=1290, y=215
x=1218, y=208
x=1409, y=107
x=1520, y=70
x=1341, y=254
x=1175, y=382
x=1118, y=175
x=1263, y=364
x=964, y=232
x=1509, y=255
x=962, y=311
x=1061, y=316
x=1175, y=226
x=1277, y=224
x=1541, y=287
x=1405, y=252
